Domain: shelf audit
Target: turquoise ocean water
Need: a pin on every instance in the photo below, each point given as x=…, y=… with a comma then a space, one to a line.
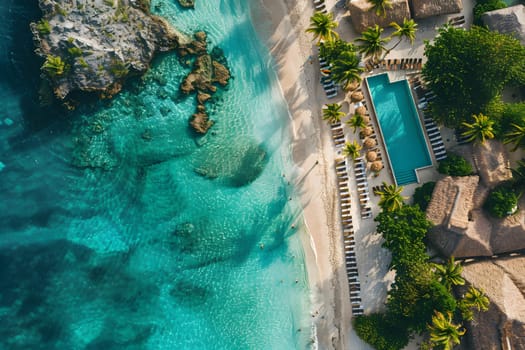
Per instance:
x=155, y=241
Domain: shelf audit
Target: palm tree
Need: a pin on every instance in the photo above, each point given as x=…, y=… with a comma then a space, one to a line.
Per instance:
x=477, y=299
x=391, y=198
x=352, y=150
x=443, y=332
x=481, y=129
x=518, y=175
x=380, y=6
x=322, y=27
x=357, y=121
x=405, y=31
x=371, y=43
x=333, y=113
x=516, y=136
x=345, y=69
x=449, y=274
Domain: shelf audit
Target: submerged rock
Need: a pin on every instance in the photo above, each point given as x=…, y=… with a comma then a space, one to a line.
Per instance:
x=187, y=3
x=93, y=48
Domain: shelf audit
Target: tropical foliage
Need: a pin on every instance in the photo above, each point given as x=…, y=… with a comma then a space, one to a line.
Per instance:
x=443, y=332
x=331, y=50
x=322, y=27
x=380, y=6
x=391, y=198
x=43, y=27
x=405, y=31
x=356, y=121
x=480, y=129
x=423, y=195
x=370, y=44
x=352, y=149
x=380, y=332
x=476, y=299
x=332, y=113
x=455, y=165
x=449, y=274
x=501, y=201
x=345, y=68
x=516, y=137
x=467, y=70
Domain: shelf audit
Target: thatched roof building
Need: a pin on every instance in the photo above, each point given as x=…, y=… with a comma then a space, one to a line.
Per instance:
x=510, y=20
x=363, y=18
x=463, y=229
x=429, y=8
x=492, y=162
x=503, y=326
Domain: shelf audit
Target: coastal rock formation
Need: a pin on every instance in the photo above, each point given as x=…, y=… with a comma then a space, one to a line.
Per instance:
x=462, y=229
x=187, y=3
x=363, y=18
x=510, y=20
x=503, y=325
x=209, y=70
x=93, y=46
x=428, y=8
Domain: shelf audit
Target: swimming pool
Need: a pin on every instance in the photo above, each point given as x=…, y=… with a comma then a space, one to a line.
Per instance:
x=399, y=123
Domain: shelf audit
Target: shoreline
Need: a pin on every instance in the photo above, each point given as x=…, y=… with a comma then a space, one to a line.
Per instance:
x=281, y=25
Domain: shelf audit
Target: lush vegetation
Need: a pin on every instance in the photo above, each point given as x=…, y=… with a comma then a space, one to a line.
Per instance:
x=483, y=6
x=420, y=299
x=391, y=198
x=467, y=70
x=480, y=129
x=455, y=165
x=333, y=113
x=371, y=44
x=501, y=201
x=423, y=195
x=380, y=6
x=352, y=149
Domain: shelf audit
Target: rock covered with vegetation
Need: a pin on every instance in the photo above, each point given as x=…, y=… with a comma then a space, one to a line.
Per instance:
x=93, y=45
x=187, y=3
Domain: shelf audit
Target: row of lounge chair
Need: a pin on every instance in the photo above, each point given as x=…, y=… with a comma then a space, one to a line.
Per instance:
x=320, y=6
x=425, y=96
x=362, y=188
x=338, y=134
x=402, y=64
x=348, y=238
x=330, y=88
x=458, y=21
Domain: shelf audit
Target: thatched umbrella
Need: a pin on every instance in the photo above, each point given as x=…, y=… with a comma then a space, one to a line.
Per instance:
x=369, y=142
x=360, y=110
x=366, y=131
x=352, y=85
x=376, y=166
x=371, y=156
x=357, y=96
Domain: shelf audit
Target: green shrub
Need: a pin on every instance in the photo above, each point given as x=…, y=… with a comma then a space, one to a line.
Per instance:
x=502, y=201
x=75, y=51
x=423, y=195
x=455, y=165
x=43, y=27
x=118, y=69
x=83, y=62
x=483, y=6
x=378, y=331
x=54, y=66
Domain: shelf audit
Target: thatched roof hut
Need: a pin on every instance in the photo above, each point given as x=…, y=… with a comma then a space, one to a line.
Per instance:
x=369, y=142
x=429, y=8
x=356, y=96
x=360, y=110
x=352, y=85
x=463, y=229
x=376, y=166
x=363, y=18
x=510, y=20
x=492, y=162
x=366, y=131
x=503, y=325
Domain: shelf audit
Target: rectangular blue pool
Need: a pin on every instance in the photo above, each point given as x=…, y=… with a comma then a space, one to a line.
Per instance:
x=399, y=123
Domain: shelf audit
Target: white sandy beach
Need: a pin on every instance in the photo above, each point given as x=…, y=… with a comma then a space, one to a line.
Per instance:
x=291, y=48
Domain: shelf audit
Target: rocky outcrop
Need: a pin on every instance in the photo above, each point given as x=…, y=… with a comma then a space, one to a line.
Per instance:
x=208, y=71
x=93, y=47
x=187, y=3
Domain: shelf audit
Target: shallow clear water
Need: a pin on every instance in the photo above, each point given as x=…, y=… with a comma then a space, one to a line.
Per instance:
x=400, y=127
x=155, y=242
